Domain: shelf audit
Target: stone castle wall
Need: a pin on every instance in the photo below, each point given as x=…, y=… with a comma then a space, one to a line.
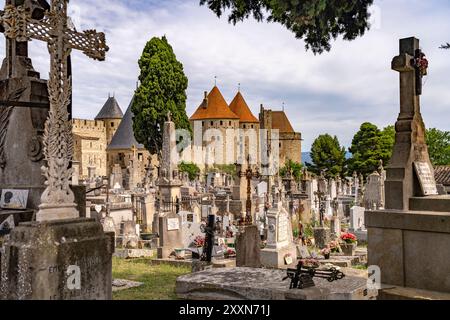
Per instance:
x=90, y=145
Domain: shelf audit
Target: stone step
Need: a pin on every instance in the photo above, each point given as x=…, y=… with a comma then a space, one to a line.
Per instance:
x=434, y=203
x=402, y=293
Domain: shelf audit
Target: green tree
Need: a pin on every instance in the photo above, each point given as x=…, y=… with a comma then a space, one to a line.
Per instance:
x=296, y=169
x=327, y=155
x=190, y=168
x=369, y=146
x=162, y=89
x=388, y=142
x=445, y=46
x=438, y=146
x=317, y=22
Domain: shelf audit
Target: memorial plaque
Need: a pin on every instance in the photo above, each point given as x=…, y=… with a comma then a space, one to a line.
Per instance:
x=426, y=178
x=173, y=224
x=14, y=199
x=283, y=227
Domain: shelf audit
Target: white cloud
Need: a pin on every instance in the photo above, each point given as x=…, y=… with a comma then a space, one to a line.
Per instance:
x=334, y=92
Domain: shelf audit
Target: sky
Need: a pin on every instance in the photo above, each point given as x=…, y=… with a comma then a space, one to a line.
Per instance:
x=330, y=93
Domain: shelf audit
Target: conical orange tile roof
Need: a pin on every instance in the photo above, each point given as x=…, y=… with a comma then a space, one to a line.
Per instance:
x=214, y=107
x=240, y=107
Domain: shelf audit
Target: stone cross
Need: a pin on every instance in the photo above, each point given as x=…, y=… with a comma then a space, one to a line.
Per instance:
x=19, y=24
x=404, y=63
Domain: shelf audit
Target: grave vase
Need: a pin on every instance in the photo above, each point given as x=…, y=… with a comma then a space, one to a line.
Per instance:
x=349, y=249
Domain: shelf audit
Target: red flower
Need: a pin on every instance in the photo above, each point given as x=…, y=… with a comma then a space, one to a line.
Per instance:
x=349, y=238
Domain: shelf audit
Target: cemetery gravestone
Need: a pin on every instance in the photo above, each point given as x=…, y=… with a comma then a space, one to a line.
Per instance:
x=280, y=250
x=61, y=256
x=408, y=240
x=170, y=234
x=248, y=247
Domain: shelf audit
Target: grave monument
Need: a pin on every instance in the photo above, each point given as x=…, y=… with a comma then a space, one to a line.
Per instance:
x=60, y=256
x=408, y=240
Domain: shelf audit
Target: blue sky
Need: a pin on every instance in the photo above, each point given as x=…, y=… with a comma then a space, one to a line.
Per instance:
x=331, y=93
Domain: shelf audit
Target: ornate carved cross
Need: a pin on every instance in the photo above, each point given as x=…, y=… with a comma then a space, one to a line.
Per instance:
x=58, y=199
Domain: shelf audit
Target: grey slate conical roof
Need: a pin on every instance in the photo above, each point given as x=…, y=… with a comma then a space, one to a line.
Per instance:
x=111, y=110
x=124, y=136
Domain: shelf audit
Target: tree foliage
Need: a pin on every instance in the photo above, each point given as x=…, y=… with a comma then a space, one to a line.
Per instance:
x=388, y=142
x=369, y=146
x=317, y=22
x=445, y=46
x=296, y=168
x=190, y=168
x=162, y=88
x=438, y=146
x=327, y=155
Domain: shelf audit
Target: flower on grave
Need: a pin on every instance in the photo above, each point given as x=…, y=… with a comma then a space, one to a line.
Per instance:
x=349, y=238
x=326, y=251
x=310, y=263
x=230, y=252
x=422, y=64
x=199, y=242
x=335, y=247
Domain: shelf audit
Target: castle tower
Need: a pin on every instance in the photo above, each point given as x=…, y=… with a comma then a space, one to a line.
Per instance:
x=122, y=148
x=249, y=125
x=112, y=115
x=218, y=124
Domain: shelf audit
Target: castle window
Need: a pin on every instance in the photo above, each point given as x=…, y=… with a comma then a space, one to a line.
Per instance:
x=112, y=124
x=230, y=123
x=245, y=126
x=212, y=123
x=221, y=123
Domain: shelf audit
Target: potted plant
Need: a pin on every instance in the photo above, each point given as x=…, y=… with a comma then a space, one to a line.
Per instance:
x=349, y=243
x=326, y=252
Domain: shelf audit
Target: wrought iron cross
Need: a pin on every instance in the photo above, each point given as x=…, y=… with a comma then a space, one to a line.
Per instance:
x=58, y=199
x=249, y=174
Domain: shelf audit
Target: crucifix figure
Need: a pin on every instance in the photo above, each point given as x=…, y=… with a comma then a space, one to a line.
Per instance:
x=19, y=24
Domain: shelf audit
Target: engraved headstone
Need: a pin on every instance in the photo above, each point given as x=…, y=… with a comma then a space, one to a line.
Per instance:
x=280, y=248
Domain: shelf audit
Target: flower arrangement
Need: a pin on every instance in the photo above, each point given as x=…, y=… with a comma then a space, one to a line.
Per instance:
x=230, y=253
x=335, y=247
x=349, y=238
x=422, y=63
x=199, y=242
x=326, y=251
x=310, y=263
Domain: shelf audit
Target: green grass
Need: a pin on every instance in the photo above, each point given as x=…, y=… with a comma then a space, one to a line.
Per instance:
x=159, y=280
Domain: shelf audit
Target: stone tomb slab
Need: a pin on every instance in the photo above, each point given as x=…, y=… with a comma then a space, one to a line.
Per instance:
x=265, y=284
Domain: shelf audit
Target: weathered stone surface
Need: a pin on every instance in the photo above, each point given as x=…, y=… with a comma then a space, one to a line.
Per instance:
x=170, y=234
x=322, y=237
x=275, y=258
x=134, y=253
x=120, y=284
x=40, y=258
x=411, y=248
x=432, y=203
x=248, y=248
x=401, y=293
x=265, y=284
